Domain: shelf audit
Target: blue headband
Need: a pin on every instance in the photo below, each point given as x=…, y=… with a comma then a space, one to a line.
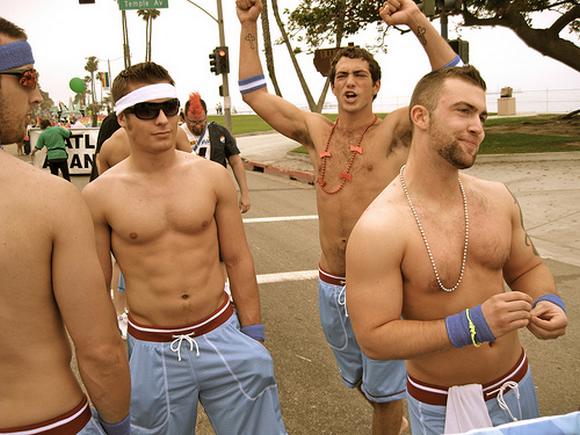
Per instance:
x=15, y=54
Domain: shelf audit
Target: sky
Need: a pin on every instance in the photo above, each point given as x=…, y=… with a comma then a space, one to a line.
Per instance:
x=64, y=33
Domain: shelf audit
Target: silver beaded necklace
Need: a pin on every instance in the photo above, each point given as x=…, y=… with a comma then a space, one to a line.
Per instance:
x=424, y=236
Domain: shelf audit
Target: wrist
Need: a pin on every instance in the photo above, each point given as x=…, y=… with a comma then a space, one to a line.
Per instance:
x=468, y=327
x=552, y=298
x=255, y=331
x=122, y=427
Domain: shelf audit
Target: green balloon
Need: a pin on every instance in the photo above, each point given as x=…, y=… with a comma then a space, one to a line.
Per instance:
x=77, y=85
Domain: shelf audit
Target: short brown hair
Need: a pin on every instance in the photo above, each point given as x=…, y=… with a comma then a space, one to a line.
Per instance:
x=146, y=72
x=12, y=30
x=356, y=53
x=427, y=91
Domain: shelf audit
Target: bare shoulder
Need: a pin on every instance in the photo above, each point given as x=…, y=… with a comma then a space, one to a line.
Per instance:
x=395, y=128
x=382, y=225
x=489, y=191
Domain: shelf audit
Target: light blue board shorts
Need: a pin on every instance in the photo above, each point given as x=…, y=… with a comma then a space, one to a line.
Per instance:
x=429, y=419
x=232, y=376
x=380, y=381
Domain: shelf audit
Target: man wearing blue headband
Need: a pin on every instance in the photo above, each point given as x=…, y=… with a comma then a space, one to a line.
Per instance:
x=39, y=297
x=166, y=216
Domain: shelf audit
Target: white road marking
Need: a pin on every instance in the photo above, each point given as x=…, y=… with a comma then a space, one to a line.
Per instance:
x=311, y=217
x=299, y=275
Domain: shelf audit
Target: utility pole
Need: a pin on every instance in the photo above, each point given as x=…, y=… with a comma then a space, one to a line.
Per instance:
x=220, y=21
x=227, y=99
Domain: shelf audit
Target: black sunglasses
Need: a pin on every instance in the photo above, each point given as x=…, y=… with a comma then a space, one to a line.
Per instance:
x=27, y=78
x=147, y=111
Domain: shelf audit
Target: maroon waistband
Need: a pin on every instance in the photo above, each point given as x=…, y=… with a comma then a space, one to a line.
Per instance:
x=331, y=279
x=69, y=422
x=165, y=334
x=437, y=395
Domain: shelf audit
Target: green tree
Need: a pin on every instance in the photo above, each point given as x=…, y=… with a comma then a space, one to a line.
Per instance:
x=313, y=22
x=148, y=16
x=334, y=13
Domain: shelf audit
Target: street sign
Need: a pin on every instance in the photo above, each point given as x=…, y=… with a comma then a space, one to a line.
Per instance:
x=143, y=4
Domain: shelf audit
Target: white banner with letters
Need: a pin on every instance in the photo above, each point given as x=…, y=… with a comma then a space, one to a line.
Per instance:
x=81, y=147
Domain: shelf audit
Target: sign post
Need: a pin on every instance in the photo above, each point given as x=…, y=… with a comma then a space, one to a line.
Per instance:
x=143, y=4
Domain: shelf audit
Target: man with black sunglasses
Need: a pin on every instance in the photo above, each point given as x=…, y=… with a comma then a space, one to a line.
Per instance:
x=167, y=215
x=46, y=232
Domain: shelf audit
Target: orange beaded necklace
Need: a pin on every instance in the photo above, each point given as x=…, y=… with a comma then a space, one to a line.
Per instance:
x=344, y=175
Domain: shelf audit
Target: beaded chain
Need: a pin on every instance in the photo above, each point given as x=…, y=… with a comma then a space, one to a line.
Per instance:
x=424, y=236
x=344, y=175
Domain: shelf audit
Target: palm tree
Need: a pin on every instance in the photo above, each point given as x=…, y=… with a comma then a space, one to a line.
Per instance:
x=148, y=15
x=268, y=47
x=92, y=66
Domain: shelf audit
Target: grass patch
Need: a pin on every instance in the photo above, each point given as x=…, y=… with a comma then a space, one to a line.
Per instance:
x=504, y=143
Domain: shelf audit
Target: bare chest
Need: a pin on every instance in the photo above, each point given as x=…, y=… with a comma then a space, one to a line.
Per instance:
x=447, y=251
x=149, y=213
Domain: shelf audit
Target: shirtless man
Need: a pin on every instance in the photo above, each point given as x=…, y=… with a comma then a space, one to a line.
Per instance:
x=185, y=340
x=50, y=279
x=355, y=159
x=436, y=242
x=116, y=148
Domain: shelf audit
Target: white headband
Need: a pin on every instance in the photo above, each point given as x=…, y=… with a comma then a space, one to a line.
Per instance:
x=146, y=93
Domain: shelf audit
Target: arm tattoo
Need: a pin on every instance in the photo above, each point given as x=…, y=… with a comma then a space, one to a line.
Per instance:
x=421, y=35
x=527, y=238
x=251, y=39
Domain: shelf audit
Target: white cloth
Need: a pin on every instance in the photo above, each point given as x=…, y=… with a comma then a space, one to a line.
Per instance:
x=466, y=409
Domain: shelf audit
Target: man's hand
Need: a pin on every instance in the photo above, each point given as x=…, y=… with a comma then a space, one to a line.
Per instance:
x=395, y=12
x=244, y=203
x=506, y=312
x=548, y=321
x=248, y=10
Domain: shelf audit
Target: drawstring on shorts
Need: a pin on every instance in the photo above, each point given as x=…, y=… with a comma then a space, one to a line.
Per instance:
x=176, y=344
x=342, y=300
x=501, y=401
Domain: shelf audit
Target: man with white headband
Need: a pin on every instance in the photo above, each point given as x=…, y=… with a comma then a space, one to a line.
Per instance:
x=41, y=300
x=186, y=341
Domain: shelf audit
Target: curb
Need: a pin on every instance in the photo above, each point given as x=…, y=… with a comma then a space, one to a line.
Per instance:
x=271, y=169
x=307, y=176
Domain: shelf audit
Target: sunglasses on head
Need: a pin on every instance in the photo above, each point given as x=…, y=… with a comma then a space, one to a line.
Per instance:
x=147, y=111
x=27, y=78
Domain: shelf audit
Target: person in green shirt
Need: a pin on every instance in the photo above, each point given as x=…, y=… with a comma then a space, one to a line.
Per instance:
x=53, y=139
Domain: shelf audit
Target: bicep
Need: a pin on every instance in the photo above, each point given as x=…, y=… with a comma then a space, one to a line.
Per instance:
x=283, y=116
x=101, y=233
x=374, y=281
x=523, y=256
x=78, y=282
x=228, y=219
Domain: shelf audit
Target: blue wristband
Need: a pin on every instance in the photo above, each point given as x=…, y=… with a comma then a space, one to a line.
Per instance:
x=255, y=331
x=550, y=297
x=121, y=428
x=483, y=331
x=458, y=328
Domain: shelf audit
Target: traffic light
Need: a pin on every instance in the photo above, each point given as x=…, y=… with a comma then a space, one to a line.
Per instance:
x=212, y=62
x=461, y=47
x=218, y=61
x=86, y=2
